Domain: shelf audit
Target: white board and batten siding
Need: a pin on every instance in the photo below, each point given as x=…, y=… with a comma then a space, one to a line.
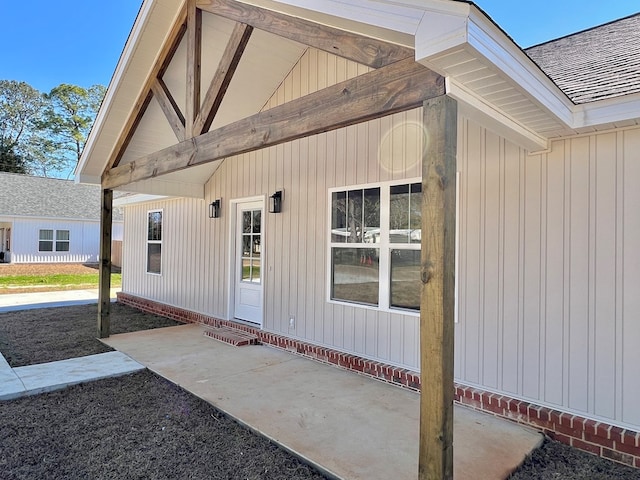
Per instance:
x=84, y=240
x=550, y=271
x=195, y=248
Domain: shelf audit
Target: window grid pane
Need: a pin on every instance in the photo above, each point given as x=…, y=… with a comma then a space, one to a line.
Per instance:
x=405, y=279
x=46, y=235
x=355, y=275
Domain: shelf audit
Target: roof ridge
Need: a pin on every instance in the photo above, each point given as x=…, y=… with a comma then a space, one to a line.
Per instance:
x=583, y=31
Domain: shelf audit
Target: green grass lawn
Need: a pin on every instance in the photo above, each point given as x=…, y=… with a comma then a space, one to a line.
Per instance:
x=83, y=280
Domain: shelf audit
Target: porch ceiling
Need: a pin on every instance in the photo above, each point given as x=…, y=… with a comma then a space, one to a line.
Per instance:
x=491, y=77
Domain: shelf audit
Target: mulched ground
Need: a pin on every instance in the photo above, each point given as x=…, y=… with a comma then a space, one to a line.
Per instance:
x=45, y=335
x=142, y=426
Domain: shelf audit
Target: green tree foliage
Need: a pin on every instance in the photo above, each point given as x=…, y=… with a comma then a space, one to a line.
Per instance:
x=21, y=107
x=46, y=132
x=68, y=119
x=11, y=161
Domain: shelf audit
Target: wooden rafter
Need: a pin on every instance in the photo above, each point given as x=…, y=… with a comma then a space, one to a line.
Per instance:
x=169, y=107
x=194, y=67
x=364, y=50
x=222, y=78
x=164, y=59
x=394, y=88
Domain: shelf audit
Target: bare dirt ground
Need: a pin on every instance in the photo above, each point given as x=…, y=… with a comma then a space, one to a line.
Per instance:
x=7, y=269
x=142, y=426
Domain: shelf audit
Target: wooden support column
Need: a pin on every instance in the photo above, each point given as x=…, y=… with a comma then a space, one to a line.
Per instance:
x=104, y=295
x=437, y=294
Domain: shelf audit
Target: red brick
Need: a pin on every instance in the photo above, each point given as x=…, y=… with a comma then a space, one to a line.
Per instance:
x=630, y=438
x=637, y=462
x=615, y=434
x=523, y=409
x=570, y=431
x=555, y=417
x=604, y=441
x=631, y=450
x=617, y=456
x=587, y=447
x=560, y=438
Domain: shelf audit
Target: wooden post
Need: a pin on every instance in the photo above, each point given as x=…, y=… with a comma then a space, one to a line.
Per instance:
x=437, y=294
x=194, y=58
x=104, y=296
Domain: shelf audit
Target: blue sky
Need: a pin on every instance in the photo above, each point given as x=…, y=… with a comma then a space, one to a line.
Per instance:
x=48, y=42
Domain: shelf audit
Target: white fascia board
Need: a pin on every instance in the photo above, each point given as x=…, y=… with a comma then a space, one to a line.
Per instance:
x=441, y=30
x=476, y=108
x=402, y=17
x=137, y=199
x=121, y=68
x=465, y=28
x=492, y=44
x=611, y=110
x=86, y=178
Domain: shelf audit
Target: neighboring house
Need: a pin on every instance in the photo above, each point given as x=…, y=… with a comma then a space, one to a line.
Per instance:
x=335, y=105
x=48, y=220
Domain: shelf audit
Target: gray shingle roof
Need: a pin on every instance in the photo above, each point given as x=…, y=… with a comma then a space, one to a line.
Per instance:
x=595, y=64
x=25, y=195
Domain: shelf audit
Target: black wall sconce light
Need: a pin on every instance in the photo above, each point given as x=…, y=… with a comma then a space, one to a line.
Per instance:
x=214, y=209
x=275, y=202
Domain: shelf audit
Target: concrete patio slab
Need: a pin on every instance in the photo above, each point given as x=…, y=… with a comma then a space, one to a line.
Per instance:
x=351, y=426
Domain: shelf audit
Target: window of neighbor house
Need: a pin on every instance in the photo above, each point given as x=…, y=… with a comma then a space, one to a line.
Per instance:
x=46, y=241
x=62, y=240
x=154, y=242
x=375, y=245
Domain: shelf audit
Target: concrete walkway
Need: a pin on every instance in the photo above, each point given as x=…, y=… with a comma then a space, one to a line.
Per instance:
x=46, y=377
x=348, y=425
x=12, y=302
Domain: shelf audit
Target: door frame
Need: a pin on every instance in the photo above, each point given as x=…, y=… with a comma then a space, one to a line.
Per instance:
x=231, y=257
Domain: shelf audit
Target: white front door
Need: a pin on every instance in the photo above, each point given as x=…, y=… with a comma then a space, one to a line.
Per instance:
x=248, y=262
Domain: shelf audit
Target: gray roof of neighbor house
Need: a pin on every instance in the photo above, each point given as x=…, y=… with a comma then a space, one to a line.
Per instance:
x=28, y=196
x=595, y=64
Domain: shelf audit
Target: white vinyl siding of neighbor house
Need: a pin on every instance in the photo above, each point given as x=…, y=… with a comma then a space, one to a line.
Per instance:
x=549, y=268
x=84, y=244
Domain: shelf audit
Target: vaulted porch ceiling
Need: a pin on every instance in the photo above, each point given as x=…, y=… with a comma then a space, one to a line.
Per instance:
x=218, y=67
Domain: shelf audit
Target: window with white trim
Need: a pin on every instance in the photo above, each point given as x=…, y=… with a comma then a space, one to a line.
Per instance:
x=154, y=242
x=46, y=242
x=375, y=245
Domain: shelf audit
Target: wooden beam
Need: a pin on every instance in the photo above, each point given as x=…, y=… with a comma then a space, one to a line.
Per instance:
x=222, y=78
x=194, y=67
x=437, y=294
x=398, y=87
x=163, y=61
x=104, y=294
x=360, y=49
x=170, y=108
